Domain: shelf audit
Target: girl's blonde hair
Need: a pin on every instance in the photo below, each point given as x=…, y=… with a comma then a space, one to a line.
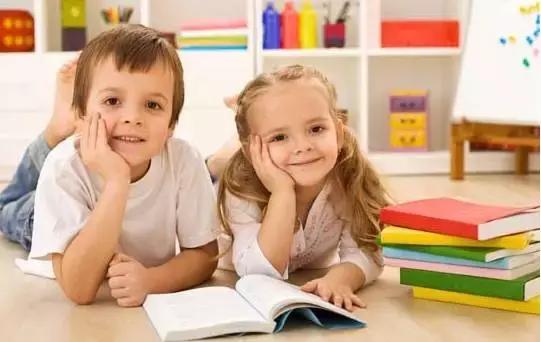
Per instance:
x=359, y=183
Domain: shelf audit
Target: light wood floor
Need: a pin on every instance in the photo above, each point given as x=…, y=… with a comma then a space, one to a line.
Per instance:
x=35, y=309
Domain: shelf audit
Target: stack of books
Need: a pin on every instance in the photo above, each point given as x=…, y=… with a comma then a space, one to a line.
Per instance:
x=456, y=251
x=214, y=35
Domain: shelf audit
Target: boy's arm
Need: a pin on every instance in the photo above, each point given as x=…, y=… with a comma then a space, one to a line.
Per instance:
x=189, y=268
x=82, y=267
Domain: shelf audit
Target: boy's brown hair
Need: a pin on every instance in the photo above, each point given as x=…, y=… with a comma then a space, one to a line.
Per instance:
x=134, y=47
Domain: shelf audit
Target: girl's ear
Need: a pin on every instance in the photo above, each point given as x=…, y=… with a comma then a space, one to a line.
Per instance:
x=340, y=133
x=171, y=131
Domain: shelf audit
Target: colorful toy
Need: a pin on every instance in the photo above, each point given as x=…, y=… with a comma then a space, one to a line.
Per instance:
x=408, y=120
x=16, y=31
x=73, y=25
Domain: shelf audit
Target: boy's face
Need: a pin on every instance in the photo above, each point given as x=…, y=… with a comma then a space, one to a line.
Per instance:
x=136, y=108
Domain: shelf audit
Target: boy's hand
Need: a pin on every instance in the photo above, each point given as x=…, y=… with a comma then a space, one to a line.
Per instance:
x=96, y=153
x=334, y=292
x=127, y=280
x=272, y=177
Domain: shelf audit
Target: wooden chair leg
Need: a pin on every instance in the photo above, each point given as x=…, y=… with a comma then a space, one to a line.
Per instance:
x=521, y=160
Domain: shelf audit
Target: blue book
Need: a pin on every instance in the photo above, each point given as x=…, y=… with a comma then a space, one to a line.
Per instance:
x=503, y=263
x=258, y=304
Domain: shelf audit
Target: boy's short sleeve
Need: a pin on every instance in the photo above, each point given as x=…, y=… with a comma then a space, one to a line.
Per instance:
x=61, y=208
x=197, y=220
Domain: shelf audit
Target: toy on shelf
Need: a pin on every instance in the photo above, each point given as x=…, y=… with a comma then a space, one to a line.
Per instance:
x=16, y=31
x=290, y=27
x=73, y=25
x=271, y=27
x=408, y=120
x=307, y=26
x=116, y=15
x=334, y=34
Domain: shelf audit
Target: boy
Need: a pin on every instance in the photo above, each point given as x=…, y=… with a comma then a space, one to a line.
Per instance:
x=109, y=204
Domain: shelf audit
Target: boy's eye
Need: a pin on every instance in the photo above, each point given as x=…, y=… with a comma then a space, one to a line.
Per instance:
x=278, y=137
x=112, y=101
x=317, y=129
x=153, y=105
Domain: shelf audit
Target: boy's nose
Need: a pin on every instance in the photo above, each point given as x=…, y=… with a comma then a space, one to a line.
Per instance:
x=132, y=117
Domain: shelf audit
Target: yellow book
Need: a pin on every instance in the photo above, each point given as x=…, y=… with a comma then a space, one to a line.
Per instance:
x=397, y=235
x=531, y=306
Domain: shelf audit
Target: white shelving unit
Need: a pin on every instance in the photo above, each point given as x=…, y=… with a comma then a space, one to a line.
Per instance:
x=363, y=72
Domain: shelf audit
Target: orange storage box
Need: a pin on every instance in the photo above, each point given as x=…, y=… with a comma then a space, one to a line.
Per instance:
x=419, y=33
x=16, y=31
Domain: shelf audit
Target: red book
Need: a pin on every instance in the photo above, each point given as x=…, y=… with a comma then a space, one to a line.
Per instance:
x=460, y=218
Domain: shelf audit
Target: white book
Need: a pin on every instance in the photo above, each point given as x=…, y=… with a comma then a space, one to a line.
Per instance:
x=258, y=304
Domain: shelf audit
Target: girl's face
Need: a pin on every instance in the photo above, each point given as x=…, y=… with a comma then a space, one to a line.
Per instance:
x=293, y=118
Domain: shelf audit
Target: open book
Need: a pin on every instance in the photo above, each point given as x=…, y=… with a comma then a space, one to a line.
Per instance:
x=258, y=304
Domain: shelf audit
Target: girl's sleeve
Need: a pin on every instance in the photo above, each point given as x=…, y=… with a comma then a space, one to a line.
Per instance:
x=350, y=252
x=245, y=222
x=61, y=208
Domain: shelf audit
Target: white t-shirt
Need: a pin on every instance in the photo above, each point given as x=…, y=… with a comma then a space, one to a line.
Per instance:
x=174, y=201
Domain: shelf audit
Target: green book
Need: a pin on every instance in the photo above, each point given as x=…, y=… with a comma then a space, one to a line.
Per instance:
x=523, y=288
x=469, y=253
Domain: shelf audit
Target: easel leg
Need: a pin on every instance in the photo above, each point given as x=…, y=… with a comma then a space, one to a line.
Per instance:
x=521, y=160
x=457, y=153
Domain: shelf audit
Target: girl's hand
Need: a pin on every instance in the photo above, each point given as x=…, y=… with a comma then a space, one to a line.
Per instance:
x=96, y=153
x=334, y=292
x=272, y=177
x=127, y=280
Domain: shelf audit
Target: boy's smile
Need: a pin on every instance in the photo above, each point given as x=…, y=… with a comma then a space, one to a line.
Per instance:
x=137, y=109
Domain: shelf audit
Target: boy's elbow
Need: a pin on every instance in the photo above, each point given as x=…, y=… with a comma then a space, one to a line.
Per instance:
x=81, y=297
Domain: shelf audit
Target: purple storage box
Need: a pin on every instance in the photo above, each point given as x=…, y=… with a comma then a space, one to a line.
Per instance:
x=408, y=104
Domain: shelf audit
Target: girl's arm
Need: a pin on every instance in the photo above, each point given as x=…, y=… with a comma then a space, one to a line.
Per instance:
x=276, y=233
x=278, y=224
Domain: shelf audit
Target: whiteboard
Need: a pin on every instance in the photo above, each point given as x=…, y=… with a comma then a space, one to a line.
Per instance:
x=500, y=75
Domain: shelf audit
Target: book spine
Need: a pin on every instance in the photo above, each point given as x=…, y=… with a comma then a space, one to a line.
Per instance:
x=531, y=306
x=463, y=284
x=429, y=224
x=479, y=254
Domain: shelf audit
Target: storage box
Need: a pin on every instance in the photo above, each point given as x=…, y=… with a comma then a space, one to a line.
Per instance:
x=419, y=33
x=16, y=31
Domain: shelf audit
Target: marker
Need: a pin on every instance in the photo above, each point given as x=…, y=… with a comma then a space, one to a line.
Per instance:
x=512, y=39
x=529, y=40
x=526, y=62
x=503, y=41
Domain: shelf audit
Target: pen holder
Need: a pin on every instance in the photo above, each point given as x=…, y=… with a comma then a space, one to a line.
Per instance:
x=334, y=35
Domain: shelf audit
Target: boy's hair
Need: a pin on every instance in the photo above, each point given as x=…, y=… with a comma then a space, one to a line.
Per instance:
x=134, y=47
x=359, y=183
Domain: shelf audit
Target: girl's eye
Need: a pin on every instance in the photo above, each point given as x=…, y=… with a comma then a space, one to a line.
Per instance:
x=317, y=129
x=153, y=105
x=112, y=101
x=279, y=137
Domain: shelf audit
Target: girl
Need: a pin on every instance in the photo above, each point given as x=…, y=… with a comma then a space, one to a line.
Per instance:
x=298, y=193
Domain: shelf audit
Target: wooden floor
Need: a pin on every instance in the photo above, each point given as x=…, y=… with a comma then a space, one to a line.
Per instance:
x=34, y=309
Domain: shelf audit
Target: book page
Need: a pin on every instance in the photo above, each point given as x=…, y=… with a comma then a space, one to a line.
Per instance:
x=203, y=309
x=271, y=297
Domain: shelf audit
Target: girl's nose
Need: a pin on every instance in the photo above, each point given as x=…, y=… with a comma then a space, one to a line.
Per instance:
x=302, y=145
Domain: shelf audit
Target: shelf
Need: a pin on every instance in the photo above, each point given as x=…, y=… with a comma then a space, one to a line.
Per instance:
x=414, y=52
x=331, y=52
